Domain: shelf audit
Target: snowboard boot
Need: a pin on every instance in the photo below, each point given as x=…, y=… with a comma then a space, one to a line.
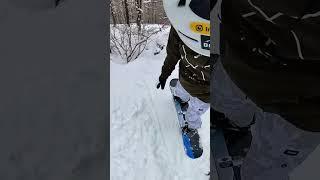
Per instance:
x=184, y=104
x=192, y=138
x=237, y=139
x=189, y=131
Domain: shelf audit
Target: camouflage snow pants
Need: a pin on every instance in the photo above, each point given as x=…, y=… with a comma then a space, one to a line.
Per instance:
x=195, y=109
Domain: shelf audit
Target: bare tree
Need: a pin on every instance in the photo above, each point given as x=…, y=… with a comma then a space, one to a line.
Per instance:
x=139, y=13
x=113, y=13
x=125, y=2
x=130, y=32
x=121, y=35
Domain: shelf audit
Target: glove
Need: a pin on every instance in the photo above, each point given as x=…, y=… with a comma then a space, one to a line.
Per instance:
x=162, y=82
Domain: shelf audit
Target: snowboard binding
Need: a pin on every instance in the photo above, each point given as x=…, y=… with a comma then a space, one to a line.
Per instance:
x=229, y=146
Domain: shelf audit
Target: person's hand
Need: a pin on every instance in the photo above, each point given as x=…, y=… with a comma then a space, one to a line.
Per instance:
x=162, y=82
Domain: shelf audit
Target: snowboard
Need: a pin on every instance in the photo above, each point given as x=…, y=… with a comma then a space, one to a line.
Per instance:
x=191, y=141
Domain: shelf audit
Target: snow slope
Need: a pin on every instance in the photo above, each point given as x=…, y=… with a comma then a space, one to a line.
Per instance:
x=145, y=139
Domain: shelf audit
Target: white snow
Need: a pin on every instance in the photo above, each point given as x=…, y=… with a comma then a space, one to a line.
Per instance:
x=146, y=143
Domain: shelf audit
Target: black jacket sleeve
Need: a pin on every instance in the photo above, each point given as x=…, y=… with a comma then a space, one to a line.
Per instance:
x=173, y=54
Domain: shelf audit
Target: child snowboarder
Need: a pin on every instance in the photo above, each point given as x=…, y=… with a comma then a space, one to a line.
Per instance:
x=189, y=43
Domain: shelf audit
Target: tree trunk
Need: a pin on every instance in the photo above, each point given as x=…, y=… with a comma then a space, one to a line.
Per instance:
x=114, y=20
x=139, y=14
x=154, y=12
x=127, y=12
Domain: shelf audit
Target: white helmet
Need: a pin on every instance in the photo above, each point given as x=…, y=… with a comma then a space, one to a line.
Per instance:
x=191, y=20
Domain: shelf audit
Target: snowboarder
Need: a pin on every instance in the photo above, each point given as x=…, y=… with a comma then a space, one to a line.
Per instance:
x=189, y=42
x=268, y=76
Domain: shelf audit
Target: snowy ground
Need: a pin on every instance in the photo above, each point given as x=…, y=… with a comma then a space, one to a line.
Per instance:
x=145, y=140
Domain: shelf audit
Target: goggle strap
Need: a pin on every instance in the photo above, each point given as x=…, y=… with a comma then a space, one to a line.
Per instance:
x=182, y=3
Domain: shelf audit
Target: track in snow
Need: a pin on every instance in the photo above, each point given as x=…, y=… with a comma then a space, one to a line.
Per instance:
x=145, y=137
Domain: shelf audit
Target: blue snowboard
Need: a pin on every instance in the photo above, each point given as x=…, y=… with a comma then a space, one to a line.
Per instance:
x=191, y=144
